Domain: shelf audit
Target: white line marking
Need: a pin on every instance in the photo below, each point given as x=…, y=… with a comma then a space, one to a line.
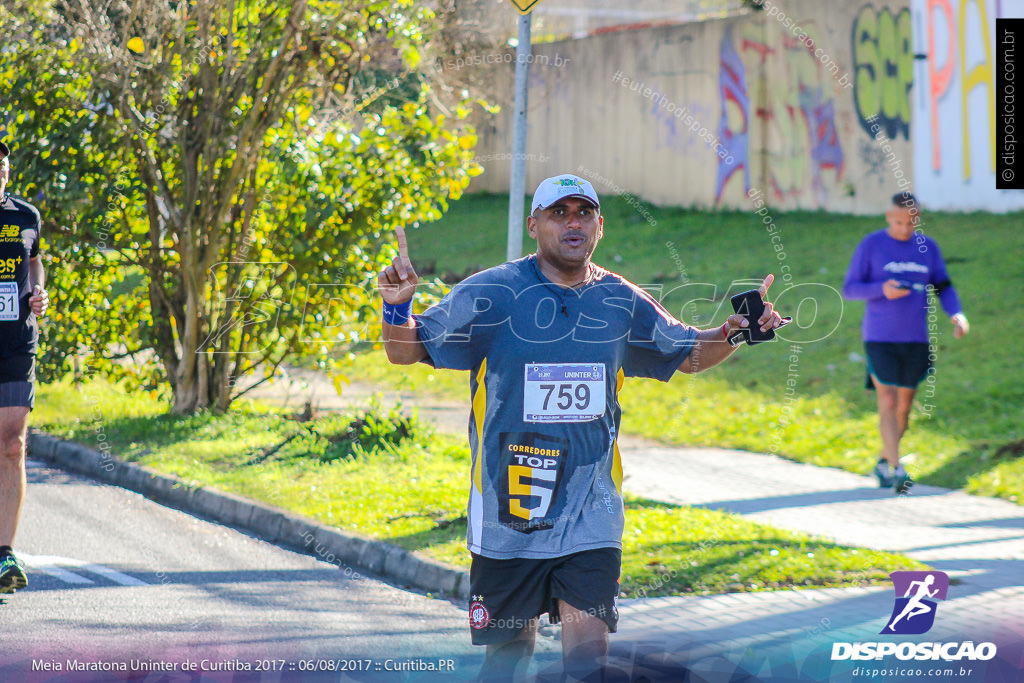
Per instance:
x=113, y=575
x=51, y=564
x=41, y=564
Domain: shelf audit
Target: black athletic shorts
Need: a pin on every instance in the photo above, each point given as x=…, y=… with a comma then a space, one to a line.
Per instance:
x=506, y=595
x=18, y=381
x=903, y=364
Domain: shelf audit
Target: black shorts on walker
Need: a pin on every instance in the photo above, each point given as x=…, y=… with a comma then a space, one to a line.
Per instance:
x=901, y=364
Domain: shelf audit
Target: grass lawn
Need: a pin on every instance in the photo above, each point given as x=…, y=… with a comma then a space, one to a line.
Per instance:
x=968, y=430
x=390, y=478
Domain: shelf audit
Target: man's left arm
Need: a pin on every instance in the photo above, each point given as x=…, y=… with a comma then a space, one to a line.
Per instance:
x=710, y=347
x=947, y=294
x=40, y=299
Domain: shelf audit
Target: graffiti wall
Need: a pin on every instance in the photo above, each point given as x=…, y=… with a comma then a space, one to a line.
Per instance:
x=883, y=63
x=954, y=104
x=810, y=102
x=771, y=83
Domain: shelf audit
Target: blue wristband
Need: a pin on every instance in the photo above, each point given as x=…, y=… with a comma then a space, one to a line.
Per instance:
x=397, y=314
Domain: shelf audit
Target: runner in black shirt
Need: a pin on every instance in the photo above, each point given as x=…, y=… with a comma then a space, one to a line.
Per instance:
x=22, y=298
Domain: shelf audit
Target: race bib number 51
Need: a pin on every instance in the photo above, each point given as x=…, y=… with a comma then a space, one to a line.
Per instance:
x=564, y=392
x=8, y=300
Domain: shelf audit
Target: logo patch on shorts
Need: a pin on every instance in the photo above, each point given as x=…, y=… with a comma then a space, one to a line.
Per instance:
x=478, y=614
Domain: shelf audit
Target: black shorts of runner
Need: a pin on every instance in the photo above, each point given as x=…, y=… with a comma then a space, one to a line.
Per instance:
x=506, y=595
x=18, y=381
x=901, y=364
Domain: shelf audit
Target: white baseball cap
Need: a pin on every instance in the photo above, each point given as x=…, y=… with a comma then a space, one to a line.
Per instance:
x=551, y=190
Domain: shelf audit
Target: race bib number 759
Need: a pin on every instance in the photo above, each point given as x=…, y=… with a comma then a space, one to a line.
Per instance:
x=564, y=392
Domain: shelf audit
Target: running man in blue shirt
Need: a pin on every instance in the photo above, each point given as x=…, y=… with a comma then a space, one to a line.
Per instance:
x=548, y=340
x=893, y=270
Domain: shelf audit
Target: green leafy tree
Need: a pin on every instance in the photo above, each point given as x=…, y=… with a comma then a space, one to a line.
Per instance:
x=214, y=176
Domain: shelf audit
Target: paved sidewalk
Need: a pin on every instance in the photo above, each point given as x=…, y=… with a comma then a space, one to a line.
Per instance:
x=978, y=541
x=788, y=635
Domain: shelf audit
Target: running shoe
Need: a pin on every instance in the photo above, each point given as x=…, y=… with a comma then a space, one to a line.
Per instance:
x=902, y=483
x=12, y=575
x=881, y=471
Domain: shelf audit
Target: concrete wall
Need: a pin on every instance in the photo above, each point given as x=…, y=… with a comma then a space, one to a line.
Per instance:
x=702, y=114
x=954, y=104
x=558, y=19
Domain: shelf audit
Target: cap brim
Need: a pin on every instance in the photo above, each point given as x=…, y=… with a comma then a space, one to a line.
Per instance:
x=5, y=149
x=572, y=196
x=583, y=196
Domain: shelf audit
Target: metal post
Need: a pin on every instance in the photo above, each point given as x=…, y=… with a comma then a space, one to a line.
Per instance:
x=517, y=186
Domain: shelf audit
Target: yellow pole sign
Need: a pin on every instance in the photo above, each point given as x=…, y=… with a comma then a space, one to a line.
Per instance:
x=525, y=6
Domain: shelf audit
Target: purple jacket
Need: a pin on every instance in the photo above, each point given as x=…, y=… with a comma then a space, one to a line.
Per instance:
x=918, y=262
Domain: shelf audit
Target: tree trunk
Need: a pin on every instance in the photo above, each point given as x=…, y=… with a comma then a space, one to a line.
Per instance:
x=205, y=388
x=186, y=396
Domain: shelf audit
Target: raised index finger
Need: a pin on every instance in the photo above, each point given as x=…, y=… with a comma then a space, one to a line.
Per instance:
x=768, y=280
x=403, y=246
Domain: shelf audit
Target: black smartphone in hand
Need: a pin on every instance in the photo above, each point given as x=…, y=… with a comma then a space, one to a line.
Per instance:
x=751, y=306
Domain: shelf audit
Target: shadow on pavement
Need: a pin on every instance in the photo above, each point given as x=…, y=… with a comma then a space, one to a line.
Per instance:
x=751, y=505
x=1004, y=523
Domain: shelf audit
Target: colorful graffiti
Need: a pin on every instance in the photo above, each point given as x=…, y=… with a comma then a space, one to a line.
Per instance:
x=795, y=106
x=939, y=79
x=734, y=133
x=981, y=73
x=883, y=60
x=956, y=109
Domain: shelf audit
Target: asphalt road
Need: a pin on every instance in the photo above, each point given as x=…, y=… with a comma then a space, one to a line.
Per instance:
x=116, y=578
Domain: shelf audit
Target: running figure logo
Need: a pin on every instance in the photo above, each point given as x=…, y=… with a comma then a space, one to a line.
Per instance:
x=916, y=595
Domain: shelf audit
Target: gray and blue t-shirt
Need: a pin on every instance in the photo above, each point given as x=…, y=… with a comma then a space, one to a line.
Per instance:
x=546, y=363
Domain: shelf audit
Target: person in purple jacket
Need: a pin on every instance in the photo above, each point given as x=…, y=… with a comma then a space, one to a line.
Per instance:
x=893, y=270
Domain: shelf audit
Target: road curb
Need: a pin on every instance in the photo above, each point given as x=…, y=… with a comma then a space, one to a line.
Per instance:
x=267, y=522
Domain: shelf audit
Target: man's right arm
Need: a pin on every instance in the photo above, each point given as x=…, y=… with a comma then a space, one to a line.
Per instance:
x=397, y=285
x=857, y=286
x=402, y=343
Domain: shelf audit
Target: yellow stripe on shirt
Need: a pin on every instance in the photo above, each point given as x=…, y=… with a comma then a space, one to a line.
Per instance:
x=617, y=460
x=479, y=408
